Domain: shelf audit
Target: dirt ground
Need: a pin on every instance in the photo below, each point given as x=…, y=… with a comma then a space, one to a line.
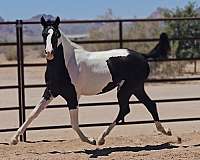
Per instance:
x=132, y=142
x=147, y=147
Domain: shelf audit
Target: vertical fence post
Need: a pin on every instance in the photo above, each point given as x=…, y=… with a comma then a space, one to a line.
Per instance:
x=195, y=66
x=120, y=34
x=19, y=73
x=20, y=61
x=121, y=42
x=22, y=77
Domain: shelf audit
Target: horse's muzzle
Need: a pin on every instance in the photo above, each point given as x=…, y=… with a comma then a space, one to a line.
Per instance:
x=49, y=55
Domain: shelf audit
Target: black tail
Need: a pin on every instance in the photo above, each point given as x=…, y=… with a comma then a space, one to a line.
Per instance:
x=161, y=50
x=146, y=55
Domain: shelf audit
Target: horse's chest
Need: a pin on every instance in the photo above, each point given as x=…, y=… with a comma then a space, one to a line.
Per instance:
x=56, y=74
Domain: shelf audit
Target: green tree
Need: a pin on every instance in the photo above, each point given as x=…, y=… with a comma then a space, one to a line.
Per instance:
x=184, y=28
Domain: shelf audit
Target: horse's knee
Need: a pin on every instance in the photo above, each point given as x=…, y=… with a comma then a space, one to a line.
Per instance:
x=124, y=109
x=40, y=107
x=123, y=100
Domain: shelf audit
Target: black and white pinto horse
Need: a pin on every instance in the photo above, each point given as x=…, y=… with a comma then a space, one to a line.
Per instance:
x=72, y=71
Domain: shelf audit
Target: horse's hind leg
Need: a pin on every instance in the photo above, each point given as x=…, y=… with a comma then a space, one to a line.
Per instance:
x=151, y=107
x=123, y=95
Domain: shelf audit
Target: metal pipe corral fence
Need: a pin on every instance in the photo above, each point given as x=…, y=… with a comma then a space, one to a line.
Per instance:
x=21, y=86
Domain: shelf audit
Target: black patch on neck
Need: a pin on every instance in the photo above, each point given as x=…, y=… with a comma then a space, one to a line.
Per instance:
x=56, y=72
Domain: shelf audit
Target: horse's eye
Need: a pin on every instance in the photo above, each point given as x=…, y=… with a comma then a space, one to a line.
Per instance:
x=44, y=34
x=57, y=34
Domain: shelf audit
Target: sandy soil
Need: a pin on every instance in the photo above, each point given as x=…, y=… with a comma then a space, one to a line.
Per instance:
x=140, y=147
x=141, y=142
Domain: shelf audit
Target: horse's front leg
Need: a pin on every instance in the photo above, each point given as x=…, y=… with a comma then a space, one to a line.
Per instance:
x=75, y=125
x=36, y=111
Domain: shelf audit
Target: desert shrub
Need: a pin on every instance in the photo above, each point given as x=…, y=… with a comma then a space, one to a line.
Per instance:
x=167, y=69
x=10, y=53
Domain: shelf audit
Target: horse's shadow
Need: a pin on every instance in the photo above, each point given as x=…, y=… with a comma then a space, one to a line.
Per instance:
x=107, y=151
x=99, y=152
x=4, y=143
x=95, y=153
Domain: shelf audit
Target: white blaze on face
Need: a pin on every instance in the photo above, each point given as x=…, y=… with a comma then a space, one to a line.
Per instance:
x=49, y=47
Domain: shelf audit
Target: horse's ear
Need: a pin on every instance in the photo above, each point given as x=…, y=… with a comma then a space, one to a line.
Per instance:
x=42, y=21
x=57, y=21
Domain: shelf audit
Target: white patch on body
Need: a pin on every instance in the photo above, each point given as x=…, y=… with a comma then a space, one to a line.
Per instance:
x=88, y=70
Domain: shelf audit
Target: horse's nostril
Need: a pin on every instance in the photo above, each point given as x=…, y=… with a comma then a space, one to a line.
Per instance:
x=49, y=55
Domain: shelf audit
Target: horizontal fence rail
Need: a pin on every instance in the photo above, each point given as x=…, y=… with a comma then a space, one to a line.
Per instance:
x=20, y=65
x=98, y=104
x=102, y=124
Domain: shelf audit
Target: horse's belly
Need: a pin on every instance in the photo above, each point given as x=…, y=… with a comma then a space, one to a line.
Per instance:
x=93, y=79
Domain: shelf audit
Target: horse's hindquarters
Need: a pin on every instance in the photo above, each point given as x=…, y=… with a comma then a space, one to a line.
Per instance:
x=132, y=67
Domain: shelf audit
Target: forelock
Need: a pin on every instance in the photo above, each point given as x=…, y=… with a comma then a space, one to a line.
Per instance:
x=49, y=22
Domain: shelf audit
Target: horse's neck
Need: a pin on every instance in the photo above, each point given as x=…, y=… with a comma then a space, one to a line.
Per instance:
x=68, y=47
x=69, y=58
x=68, y=50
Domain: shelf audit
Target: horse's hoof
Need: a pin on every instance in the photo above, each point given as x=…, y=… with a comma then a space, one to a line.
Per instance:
x=14, y=140
x=92, y=141
x=169, y=132
x=101, y=141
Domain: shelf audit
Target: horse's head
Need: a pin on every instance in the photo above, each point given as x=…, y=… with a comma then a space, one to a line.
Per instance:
x=50, y=34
